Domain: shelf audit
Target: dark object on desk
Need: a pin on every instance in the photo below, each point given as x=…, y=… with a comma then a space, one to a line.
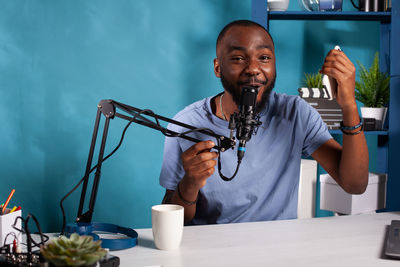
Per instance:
x=10, y=259
x=393, y=240
x=110, y=261
x=10, y=255
x=369, y=124
x=20, y=259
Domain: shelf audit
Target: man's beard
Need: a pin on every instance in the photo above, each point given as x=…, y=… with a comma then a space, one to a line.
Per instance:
x=235, y=91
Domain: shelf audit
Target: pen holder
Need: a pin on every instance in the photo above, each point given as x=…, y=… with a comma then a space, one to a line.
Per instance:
x=6, y=222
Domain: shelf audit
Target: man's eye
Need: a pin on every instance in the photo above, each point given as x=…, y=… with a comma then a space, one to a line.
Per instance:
x=265, y=58
x=237, y=58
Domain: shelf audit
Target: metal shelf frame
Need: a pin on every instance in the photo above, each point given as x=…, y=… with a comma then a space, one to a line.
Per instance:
x=388, y=149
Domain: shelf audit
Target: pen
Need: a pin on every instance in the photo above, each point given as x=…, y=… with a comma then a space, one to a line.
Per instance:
x=18, y=208
x=13, y=209
x=8, y=200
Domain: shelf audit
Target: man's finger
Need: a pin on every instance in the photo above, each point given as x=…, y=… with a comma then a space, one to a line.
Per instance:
x=198, y=160
x=197, y=148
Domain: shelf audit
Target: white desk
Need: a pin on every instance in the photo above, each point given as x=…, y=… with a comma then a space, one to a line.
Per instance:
x=356, y=240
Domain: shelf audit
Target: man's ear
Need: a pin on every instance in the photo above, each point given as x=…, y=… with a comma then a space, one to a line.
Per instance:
x=217, y=68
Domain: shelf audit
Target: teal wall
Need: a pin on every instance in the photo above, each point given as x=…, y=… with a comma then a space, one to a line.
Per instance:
x=58, y=59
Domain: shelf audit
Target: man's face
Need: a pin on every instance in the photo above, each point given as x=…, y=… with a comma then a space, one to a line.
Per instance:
x=245, y=57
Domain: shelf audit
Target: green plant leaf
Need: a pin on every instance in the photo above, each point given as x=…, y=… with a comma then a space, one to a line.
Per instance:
x=373, y=87
x=312, y=80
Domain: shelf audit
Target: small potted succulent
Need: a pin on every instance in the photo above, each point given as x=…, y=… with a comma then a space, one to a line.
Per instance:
x=74, y=251
x=373, y=91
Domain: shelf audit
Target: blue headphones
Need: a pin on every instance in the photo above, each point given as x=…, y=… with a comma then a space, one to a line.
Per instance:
x=112, y=244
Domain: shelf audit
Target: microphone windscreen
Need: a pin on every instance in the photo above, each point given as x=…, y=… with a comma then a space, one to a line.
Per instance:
x=249, y=96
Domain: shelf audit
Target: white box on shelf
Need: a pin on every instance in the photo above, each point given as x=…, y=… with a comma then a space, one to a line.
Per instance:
x=334, y=198
x=6, y=222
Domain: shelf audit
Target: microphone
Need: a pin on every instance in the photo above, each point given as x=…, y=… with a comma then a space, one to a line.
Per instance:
x=245, y=120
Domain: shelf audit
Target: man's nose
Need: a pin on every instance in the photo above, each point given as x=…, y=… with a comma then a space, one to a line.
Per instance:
x=252, y=68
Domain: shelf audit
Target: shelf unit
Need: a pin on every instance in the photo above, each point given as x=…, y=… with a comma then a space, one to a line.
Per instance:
x=299, y=15
x=388, y=150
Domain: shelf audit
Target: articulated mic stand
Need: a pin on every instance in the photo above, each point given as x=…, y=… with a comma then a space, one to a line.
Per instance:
x=108, y=108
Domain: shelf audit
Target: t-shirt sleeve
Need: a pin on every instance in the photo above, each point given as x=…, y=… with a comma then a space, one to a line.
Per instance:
x=316, y=131
x=172, y=170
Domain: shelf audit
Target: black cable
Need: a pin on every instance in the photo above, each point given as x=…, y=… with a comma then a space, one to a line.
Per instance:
x=165, y=132
x=25, y=230
x=354, y=5
x=105, y=158
x=91, y=170
x=220, y=173
x=13, y=234
x=28, y=238
x=38, y=227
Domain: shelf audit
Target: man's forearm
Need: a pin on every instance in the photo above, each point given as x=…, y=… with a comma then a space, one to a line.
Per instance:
x=187, y=198
x=347, y=164
x=353, y=169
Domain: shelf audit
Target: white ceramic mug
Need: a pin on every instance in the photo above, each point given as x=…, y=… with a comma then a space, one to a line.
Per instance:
x=167, y=225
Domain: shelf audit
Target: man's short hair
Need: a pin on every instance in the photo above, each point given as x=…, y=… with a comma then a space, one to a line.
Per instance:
x=244, y=23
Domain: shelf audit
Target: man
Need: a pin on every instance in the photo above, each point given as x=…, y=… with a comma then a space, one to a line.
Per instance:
x=266, y=185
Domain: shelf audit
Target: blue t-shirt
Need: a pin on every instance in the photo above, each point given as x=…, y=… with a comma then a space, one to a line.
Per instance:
x=266, y=186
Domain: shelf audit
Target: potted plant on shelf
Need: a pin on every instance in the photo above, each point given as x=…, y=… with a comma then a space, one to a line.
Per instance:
x=373, y=91
x=313, y=80
x=74, y=251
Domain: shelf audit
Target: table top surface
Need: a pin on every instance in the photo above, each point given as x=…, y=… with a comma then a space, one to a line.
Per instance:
x=329, y=241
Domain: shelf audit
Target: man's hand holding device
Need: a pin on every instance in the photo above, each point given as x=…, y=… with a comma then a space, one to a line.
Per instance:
x=339, y=77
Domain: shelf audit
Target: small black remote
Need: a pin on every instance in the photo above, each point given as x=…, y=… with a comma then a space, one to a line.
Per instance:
x=393, y=241
x=110, y=261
